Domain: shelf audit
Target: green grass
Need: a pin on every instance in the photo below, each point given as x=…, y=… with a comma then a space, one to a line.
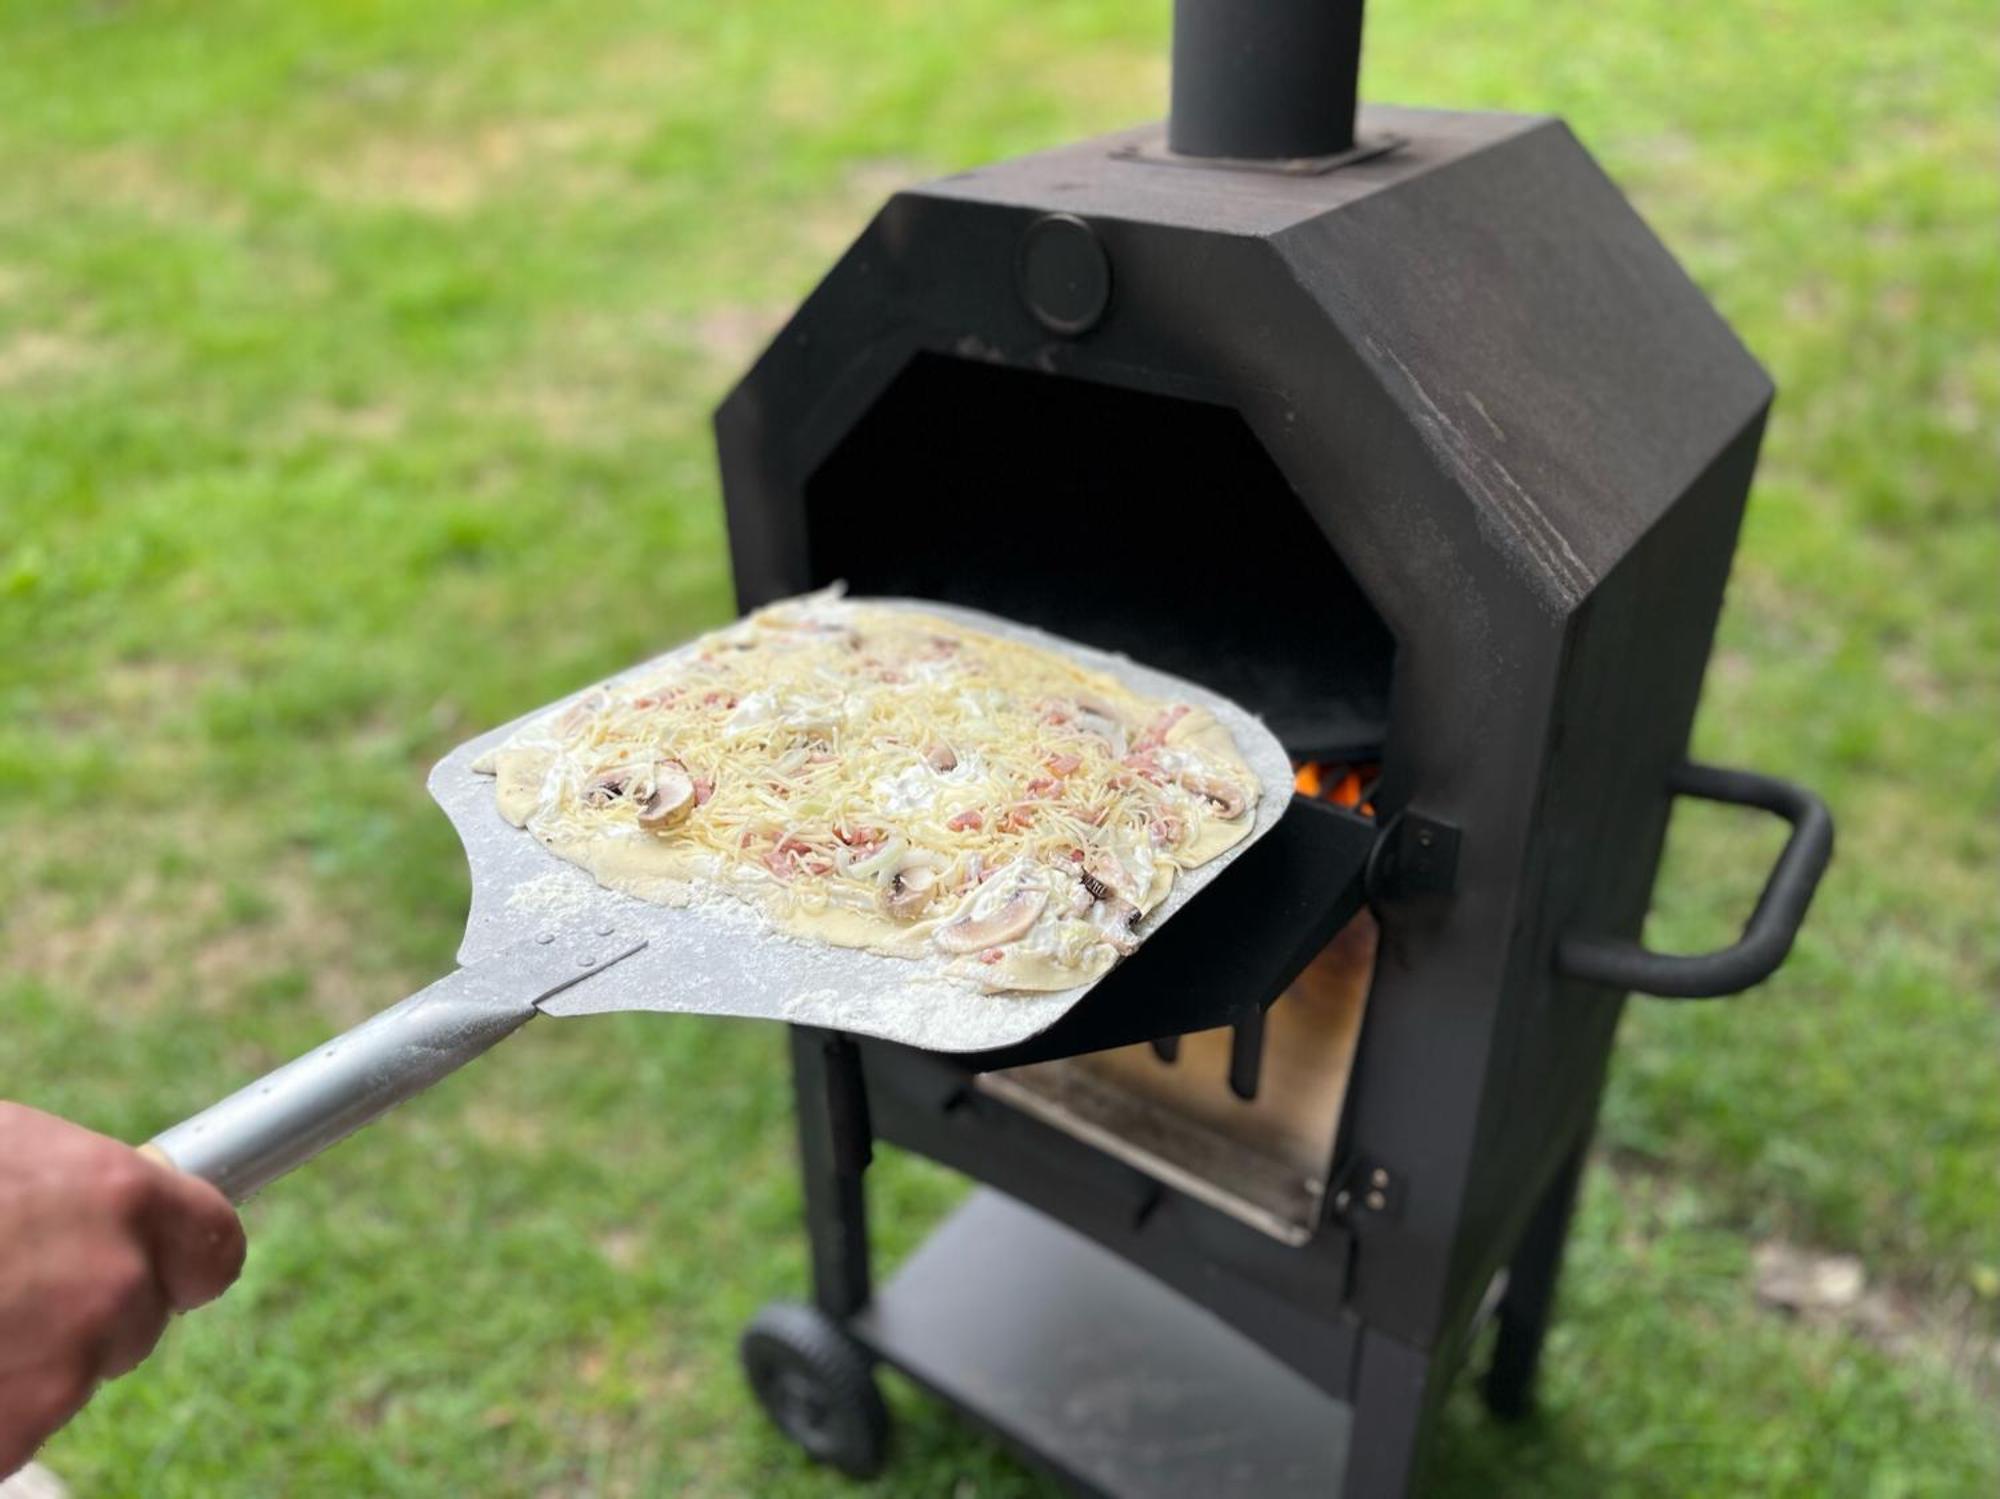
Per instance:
x=355, y=362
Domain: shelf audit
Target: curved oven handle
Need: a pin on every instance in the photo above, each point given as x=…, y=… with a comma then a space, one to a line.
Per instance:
x=1768, y=936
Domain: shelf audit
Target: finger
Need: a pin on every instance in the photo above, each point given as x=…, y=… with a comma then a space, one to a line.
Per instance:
x=196, y=1239
x=38, y=1403
x=134, y=1322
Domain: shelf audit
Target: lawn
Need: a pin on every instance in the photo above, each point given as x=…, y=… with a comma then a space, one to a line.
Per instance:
x=355, y=363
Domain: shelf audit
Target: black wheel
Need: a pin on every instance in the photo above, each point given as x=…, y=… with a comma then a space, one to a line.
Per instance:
x=817, y=1385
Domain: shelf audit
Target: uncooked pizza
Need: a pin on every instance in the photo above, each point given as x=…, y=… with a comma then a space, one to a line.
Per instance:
x=879, y=778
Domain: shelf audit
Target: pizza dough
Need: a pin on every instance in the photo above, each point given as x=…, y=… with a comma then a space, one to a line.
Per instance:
x=879, y=778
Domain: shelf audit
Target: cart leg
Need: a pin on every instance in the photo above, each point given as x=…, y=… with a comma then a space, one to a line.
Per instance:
x=1523, y=1315
x=1394, y=1400
x=834, y=1150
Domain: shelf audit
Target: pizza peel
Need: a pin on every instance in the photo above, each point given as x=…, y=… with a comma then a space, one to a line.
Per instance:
x=543, y=938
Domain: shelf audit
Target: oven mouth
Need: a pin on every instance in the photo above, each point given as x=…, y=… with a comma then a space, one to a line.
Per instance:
x=1153, y=525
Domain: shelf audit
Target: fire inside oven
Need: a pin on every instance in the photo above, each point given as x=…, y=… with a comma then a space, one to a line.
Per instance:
x=1159, y=527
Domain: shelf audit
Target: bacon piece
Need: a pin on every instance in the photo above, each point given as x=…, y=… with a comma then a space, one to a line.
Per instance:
x=1155, y=733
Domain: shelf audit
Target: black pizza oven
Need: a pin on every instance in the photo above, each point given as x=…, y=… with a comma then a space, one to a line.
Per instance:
x=1403, y=430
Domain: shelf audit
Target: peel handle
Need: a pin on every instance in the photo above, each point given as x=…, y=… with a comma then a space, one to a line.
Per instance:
x=288, y=1116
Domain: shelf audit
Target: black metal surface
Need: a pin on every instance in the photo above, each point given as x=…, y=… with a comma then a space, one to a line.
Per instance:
x=1414, y=856
x=835, y=1145
x=1529, y=1299
x=1773, y=925
x=1236, y=947
x=1437, y=458
x=1246, y=1052
x=1107, y=1378
x=1269, y=80
x=1289, y=1301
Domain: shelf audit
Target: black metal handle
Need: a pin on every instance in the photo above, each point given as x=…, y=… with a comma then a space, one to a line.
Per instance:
x=1768, y=936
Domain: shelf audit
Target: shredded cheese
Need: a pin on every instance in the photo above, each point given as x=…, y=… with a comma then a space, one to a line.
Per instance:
x=899, y=767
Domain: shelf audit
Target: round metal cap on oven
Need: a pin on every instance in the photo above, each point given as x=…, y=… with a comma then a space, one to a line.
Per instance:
x=1063, y=274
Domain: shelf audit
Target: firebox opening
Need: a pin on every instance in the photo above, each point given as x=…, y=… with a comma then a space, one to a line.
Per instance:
x=1146, y=524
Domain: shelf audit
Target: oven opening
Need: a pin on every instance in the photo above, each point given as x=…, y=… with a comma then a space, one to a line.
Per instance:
x=1146, y=524
x=1159, y=527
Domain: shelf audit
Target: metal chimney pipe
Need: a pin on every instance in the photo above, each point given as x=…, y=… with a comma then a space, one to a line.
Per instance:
x=1264, y=79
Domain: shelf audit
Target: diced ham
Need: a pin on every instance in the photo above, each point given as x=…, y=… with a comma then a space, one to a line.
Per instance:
x=1043, y=785
x=704, y=788
x=992, y=955
x=1155, y=733
x=969, y=818
x=1064, y=765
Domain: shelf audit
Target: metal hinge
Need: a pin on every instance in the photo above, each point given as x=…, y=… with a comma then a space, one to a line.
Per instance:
x=1366, y=1192
x=1414, y=855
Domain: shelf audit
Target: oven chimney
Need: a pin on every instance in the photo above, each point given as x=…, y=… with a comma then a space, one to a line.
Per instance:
x=1266, y=80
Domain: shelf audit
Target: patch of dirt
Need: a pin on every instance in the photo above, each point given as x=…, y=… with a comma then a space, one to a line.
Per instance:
x=734, y=333
x=36, y=354
x=450, y=175
x=498, y=1122
x=1834, y=1291
x=833, y=223
x=186, y=942
x=137, y=179
x=622, y=1248
x=371, y=424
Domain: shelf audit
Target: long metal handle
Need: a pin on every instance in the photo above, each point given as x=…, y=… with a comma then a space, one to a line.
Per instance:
x=289, y=1116
x=1768, y=935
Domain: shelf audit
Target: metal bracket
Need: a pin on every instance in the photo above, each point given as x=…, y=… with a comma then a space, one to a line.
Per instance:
x=1366, y=1191
x=1414, y=855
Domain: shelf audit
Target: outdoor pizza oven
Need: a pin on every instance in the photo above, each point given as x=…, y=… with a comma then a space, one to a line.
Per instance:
x=1404, y=431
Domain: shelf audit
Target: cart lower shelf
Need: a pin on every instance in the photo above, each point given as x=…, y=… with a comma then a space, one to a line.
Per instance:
x=1096, y=1371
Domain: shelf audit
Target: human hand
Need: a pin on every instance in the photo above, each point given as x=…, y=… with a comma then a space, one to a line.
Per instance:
x=98, y=1246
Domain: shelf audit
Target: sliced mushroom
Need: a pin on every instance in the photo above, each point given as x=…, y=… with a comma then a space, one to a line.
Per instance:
x=909, y=890
x=1227, y=797
x=672, y=799
x=1008, y=923
x=1104, y=877
x=607, y=786
x=1115, y=921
